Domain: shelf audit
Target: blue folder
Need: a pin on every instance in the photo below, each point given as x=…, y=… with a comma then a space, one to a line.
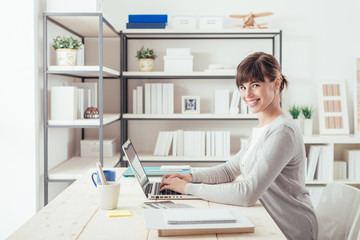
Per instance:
x=145, y=25
x=151, y=173
x=148, y=18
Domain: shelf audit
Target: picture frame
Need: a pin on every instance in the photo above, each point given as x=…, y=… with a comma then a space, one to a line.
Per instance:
x=357, y=99
x=333, y=113
x=190, y=104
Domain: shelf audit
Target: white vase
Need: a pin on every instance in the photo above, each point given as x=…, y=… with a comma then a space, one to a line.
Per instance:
x=308, y=126
x=146, y=64
x=300, y=124
x=66, y=57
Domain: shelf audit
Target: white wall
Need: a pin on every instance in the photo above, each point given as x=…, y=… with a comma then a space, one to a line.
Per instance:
x=19, y=118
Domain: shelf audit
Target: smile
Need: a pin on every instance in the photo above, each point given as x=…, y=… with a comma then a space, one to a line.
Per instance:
x=252, y=103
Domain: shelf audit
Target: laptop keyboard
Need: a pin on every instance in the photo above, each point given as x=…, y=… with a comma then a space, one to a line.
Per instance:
x=163, y=192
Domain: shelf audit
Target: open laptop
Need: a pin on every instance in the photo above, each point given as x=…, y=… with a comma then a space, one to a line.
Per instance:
x=151, y=189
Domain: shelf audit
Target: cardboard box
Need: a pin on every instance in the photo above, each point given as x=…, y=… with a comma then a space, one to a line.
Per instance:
x=91, y=147
x=210, y=21
x=178, y=63
x=183, y=21
x=74, y=5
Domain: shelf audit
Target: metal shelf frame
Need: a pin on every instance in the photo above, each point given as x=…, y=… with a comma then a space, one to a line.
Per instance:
x=54, y=18
x=274, y=36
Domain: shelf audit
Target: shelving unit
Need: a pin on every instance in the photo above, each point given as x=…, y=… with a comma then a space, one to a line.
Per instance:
x=274, y=36
x=336, y=143
x=82, y=25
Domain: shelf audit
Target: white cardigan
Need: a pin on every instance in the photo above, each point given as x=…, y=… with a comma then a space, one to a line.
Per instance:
x=274, y=173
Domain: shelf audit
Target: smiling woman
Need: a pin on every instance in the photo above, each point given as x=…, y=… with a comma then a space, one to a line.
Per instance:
x=272, y=163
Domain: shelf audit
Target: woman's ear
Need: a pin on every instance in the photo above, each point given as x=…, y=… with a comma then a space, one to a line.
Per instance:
x=277, y=82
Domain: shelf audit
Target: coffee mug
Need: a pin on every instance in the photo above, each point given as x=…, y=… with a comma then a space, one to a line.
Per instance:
x=109, y=176
x=108, y=195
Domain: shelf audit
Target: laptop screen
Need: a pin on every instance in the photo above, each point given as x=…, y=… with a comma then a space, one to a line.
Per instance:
x=135, y=163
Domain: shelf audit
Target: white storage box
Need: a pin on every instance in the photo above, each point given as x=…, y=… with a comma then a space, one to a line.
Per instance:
x=177, y=51
x=210, y=22
x=74, y=5
x=91, y=147
x=178, y=63
x=183, y=21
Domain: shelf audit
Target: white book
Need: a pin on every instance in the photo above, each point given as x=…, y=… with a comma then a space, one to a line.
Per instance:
x=163, y=142
x=147, y=98
x=219, y=144
x=153, y=98
x=348, y=157
x=134, y=101
x=165, y=99
x=313, y=158
x=221, y=101
x=340, y=170
x=180, y=142
x=93, y=87
x=186, y=143
x=139, y=94
x=63, y=103
x=197, y=144
x=170, y=98
x=212, y=143
x=157, y=145
x=234, y=105
x=175, y=143
x=169, y=139
x=80, y=103
x=243, y=107
x=227, y=145
x=87, y=98
x=208, y=143
x=202, y=143
x=324, y=164
x=158, y=98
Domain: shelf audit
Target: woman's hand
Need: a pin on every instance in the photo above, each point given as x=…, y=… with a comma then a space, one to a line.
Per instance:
x=175, y=182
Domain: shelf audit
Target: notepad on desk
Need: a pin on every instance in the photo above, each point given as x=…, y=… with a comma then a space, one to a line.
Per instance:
x=198, y=216
x=156, y=171
x=155, y=219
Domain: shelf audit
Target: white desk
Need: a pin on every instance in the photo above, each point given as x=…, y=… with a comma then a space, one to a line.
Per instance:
x=75, y=214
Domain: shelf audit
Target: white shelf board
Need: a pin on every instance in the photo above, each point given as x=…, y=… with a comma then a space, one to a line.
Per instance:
x=202, y=33
x=107, y=118
x=186, y=74
x=75, y=167
x=149, y=157
x=85, y=71
x=86, y=26
x=189, y=116
x=335, y=139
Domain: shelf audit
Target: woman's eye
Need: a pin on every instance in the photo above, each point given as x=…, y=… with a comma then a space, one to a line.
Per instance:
x=242, y=88
x=256, y=85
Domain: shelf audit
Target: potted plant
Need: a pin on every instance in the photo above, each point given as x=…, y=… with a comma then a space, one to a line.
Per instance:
x=295, y=112
x=307, y=112
x=146, y=59
x=66, y=48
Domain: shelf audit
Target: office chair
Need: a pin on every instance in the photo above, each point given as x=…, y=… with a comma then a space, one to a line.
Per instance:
x=338, y=212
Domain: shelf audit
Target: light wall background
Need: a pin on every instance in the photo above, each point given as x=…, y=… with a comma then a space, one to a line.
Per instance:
x=320, y=41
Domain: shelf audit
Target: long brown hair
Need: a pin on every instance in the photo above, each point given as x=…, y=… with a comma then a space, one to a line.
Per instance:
x=257, y=66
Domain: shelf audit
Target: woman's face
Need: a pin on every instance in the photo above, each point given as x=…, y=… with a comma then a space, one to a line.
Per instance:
x=260, y=96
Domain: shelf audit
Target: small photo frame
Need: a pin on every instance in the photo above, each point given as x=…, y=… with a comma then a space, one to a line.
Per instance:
x=190, y=104
x=333, y=114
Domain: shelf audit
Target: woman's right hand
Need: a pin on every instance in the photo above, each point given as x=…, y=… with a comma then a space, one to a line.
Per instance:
x=183, y=176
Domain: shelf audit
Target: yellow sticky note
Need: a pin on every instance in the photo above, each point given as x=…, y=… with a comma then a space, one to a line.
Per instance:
x=119, y=213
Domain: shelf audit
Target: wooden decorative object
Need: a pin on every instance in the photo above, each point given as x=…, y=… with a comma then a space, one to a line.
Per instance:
x=249, y=19
x=91, y=112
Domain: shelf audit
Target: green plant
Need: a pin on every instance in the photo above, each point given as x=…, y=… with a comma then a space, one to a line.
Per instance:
x=307, y=111
x=66, y=42
x=294, y=111
x=145, y=53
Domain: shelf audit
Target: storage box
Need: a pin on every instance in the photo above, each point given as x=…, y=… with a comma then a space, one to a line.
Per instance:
x=177, y=51
x=74, y=5
x=210, y=22
x=178, y=63
x=91, y=147
x=183, y=22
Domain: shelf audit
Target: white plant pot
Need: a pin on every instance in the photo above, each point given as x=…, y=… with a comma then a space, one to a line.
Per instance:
x=66, y=57
x=308, y=126
x=300, y=124
x=146, y=64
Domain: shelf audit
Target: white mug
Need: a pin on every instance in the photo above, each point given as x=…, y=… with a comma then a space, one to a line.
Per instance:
x=108, y=195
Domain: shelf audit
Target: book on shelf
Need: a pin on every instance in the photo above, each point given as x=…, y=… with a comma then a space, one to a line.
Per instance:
x=163, y=143
x=313, y=158
x=147, y=18
x=340, y=168
x=134, y=101
x=159, y=98
x=63, y=103
x=139, y=98
x=319, y=163
x=147, y=98
x=244, y=109
x=145, y=25
x=221, y=101
x=352, y=157
x=235, y=100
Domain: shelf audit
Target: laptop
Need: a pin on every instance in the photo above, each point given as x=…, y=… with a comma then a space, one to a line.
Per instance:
x=151, y=189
